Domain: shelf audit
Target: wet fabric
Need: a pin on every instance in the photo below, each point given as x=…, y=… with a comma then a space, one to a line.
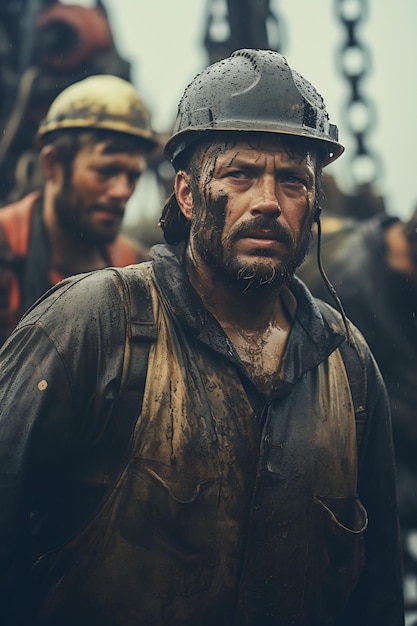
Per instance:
x=228, y=507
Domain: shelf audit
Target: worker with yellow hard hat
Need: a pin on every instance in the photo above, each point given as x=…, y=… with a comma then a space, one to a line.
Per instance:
x=93, y=142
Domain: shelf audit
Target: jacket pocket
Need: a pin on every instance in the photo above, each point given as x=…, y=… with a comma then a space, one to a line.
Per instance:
x=173, y=518
x=335, y=556
x=155, y=538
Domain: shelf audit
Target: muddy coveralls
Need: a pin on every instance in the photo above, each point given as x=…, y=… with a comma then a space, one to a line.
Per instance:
x=227, y=507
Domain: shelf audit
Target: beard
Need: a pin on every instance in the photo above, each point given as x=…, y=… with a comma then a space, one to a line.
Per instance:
x=73, y=218
x=264, y=271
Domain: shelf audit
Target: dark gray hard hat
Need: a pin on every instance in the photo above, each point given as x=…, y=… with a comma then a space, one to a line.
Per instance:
x=253, y=90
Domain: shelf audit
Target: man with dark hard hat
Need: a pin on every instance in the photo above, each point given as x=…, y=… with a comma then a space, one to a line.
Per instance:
x=195, y=439
x=93, y=148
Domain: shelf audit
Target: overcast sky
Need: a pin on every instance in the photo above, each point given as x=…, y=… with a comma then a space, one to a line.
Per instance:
x=163, y=41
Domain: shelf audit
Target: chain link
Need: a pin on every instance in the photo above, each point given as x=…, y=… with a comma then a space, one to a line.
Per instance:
x=354, y=63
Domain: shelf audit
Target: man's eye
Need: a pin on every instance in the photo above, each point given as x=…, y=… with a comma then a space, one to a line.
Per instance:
x=237, y=174
x=106, y=173
x=294, y=180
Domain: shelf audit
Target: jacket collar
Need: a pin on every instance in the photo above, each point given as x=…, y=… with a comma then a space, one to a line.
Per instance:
x=311, y=339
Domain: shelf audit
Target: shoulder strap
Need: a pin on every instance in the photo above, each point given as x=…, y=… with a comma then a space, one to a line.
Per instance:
x=356, y=373
x=11, y=268
x=141, y=332
x=34, y=280
x=108, y=459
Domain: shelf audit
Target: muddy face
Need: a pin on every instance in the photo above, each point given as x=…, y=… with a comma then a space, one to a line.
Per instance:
x=252, y=211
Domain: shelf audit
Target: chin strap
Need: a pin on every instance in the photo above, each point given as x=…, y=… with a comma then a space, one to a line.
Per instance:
x=324, y=276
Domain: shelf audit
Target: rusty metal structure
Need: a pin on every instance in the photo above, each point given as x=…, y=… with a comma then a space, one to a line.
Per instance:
x=45, y=46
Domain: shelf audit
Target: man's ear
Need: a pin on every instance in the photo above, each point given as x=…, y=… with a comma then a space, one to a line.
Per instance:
x=183, y=194
x=51, y=166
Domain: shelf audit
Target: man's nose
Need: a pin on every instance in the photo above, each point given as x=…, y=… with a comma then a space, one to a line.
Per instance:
x=266, y=200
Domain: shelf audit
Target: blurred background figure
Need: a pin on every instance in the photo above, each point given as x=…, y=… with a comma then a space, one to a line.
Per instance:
x=372, y=264
x=93, y=147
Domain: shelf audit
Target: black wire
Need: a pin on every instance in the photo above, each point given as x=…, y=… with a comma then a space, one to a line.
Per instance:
x=328, y=284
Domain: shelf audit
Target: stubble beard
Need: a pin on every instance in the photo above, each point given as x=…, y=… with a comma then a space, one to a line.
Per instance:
x=70, y=211
x=222, y=260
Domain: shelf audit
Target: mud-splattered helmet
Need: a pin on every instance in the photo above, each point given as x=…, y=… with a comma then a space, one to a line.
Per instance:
x=253, y=90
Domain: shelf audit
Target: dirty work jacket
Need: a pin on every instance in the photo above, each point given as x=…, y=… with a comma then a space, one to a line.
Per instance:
x=25, y=271
x=228, y=508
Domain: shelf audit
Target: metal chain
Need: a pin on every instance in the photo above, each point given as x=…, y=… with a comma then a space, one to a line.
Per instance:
x=354, y=62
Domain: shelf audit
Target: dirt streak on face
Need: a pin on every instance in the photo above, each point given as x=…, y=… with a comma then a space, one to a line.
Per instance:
x=209, y=215
x=216, y=248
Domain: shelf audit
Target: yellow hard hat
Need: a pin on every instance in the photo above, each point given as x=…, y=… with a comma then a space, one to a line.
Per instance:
x=101, y=101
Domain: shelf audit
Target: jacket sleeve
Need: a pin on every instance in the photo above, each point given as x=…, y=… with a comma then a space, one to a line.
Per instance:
x=59, y=382
x=378, y=599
